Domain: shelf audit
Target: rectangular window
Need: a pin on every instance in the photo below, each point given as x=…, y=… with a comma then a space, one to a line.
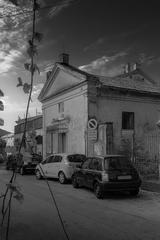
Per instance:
x=61, y=107
x=127, y=120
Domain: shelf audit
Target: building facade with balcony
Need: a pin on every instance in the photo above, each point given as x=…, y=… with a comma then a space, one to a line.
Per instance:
x=1, y=107
x=33, y=134
x=9, y=139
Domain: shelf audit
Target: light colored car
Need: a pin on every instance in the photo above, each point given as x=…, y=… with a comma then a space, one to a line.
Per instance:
x=59, y=166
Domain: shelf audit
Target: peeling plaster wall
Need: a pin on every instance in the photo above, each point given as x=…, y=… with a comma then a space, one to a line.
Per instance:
x=107, y=106
x=110, y=110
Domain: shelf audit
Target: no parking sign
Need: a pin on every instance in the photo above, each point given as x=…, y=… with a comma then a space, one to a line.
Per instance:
x=92, y=123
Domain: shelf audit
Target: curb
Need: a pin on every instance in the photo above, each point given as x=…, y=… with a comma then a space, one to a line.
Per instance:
x=151, y=186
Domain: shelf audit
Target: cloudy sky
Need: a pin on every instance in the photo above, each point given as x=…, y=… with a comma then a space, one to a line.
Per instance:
x=101, y=36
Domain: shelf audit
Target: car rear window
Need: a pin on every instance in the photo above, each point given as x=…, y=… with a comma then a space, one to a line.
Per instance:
x=113, y=163
x=76, y=158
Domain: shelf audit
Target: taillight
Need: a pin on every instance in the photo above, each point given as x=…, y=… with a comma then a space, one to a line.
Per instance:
x=68, y=164
x=105, y=177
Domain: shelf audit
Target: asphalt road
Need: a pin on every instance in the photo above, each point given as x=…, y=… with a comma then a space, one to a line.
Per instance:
x=116, y=217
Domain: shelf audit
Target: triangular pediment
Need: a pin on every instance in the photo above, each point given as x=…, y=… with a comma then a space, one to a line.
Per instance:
x=60, y=79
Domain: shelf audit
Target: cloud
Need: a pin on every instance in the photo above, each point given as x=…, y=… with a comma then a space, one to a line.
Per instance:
x=59, y=5
x=114, y=70
x=11, y=106
x=7, y=60
x=36, y=90
x=46, y=65
x=98, y=42
x=146, y=59
x=14, y=24
x=105, y=65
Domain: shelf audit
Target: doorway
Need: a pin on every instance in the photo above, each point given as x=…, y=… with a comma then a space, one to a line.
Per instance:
x=62, y=142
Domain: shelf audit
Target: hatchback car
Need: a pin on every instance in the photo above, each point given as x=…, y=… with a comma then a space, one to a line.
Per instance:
x=109, y=173
x=59, y=166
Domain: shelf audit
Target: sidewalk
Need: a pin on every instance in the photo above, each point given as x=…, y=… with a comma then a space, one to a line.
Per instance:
x=151, y=185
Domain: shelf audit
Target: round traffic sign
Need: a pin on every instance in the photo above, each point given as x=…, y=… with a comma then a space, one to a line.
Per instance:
x=92, y=123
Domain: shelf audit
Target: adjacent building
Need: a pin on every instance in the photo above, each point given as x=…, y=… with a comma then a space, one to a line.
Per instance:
x=92, y=114
x=1, y=107
x=33, y=133
x=9, y=139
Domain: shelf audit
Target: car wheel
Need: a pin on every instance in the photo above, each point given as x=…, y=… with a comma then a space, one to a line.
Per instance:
x=74, y=182
x=134, y=192
x=38, y=175
x=22, y=171
x=98, y=191
x=62, y=178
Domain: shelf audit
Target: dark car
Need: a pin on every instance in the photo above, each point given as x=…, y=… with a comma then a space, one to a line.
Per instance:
x=11, y=162
x=27, y=163
x=1, y=158
x=109, y=173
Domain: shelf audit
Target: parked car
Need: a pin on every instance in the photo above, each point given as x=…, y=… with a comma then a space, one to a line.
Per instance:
x=23, y=164
x=109, y=173
x=1, y=158
x=27, y=162
x=59, y=166
x=11, y=162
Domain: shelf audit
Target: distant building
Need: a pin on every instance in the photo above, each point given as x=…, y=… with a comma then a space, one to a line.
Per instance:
x=99, y=115
x=1, y=107
x=3, y=132
x=33, y=133
x=9, y=139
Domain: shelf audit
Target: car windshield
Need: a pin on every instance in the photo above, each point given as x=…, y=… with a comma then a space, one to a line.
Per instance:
x=36, y=157
x=117, y=162
x=76, y=158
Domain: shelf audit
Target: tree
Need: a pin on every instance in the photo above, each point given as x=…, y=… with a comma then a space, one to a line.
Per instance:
x=12, y=190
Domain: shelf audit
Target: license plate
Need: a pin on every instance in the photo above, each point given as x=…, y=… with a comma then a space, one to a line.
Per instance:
x=124, y=177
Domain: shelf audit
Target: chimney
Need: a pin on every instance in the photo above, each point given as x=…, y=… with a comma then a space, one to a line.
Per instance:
x=127, y=68
x=136, y=66
x=64, y=58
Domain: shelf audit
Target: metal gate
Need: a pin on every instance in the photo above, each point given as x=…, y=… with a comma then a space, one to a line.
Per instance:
x=148, y=166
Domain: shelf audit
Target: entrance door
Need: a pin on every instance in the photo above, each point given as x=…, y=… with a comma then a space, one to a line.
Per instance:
x=105, y=138
x=62, y=142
